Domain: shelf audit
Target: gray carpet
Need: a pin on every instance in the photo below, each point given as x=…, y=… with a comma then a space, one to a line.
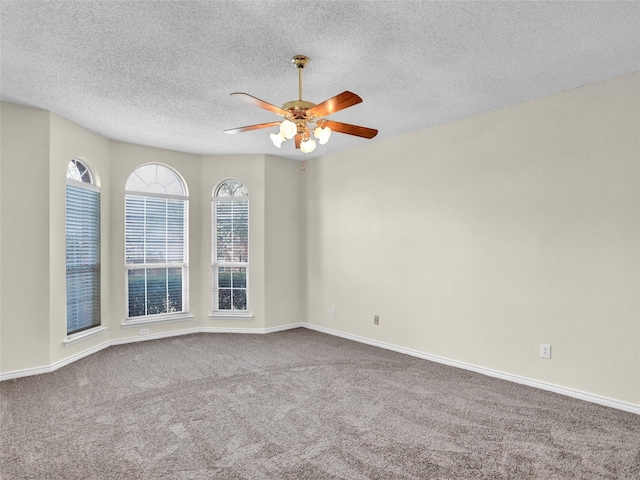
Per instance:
x=298, y=405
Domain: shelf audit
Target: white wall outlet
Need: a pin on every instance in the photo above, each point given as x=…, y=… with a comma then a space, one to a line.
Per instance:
x=376, y=320
x=333, y=311
x=545, y=350
x=144, y=331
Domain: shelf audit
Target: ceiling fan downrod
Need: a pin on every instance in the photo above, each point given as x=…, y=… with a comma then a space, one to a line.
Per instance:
x=298, y=108
x=300, y=61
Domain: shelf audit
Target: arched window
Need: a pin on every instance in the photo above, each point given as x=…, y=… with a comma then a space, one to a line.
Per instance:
x=156, y=245
x=230, y=236
x=82, y=249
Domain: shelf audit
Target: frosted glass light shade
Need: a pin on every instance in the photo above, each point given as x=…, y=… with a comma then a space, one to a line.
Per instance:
x=308, y=146
x=288, y=129
x=277, y=139
x=322, y=134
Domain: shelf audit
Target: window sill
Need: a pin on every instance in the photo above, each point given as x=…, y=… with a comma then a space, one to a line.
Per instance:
x=131, y=323
x=231, y=316
x=76, y=337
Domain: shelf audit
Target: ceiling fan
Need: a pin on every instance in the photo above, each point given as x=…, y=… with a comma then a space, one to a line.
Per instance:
x=298, y=114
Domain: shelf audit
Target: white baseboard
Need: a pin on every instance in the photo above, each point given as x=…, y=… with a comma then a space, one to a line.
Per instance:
x=27, y=372
x=282, y=328
x=278, y=328
x=570, y=392
x=140, y=338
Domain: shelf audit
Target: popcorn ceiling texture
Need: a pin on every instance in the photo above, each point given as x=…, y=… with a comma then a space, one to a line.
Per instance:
x=160, y=73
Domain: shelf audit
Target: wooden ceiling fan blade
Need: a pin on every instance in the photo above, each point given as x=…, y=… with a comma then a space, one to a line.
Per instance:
x=298, y=140
x=349, y=129
x=252, y=127
x=245, y=97
x=335, y=104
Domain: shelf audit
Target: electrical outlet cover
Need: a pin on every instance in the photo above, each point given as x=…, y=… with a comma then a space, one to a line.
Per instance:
x=545, y=350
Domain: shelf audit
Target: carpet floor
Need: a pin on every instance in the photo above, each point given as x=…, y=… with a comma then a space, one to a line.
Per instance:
x=298, y=405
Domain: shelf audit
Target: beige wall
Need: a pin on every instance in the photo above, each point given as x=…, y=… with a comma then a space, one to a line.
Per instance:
x=36, y=148
x=125, y=158
x=284, y=244
x=481, y=239
x=475, y=241
x=24, y=257
x=69, y=141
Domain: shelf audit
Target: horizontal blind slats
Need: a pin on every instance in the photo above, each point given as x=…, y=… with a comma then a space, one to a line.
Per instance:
x=155, y=230
x=155, y=233
x=82, y=258
x=232, y=231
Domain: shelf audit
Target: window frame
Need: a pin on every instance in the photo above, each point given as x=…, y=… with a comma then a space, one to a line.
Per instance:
x=86, y=182
x=216, y=312
x=183, y=265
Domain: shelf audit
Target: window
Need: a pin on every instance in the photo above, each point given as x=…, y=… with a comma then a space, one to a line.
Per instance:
x=82, y=249
x=156, y=226
x=230, y=235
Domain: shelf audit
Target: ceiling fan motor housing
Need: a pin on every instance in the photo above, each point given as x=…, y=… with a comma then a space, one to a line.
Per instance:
x=297, y=109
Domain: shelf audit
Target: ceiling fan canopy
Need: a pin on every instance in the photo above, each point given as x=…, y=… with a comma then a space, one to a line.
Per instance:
x=300, y=114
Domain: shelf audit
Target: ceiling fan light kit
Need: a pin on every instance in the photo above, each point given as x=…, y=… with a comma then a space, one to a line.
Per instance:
x=288, y=129
x=299, y=114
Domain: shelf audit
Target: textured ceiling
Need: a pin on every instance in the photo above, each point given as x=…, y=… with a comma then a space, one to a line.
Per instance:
x=160, y=73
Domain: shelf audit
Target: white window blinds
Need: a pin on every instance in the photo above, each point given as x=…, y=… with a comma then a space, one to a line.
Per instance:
x=155, y=230
x=156, y=254
x=232, y=230
x=82, y=258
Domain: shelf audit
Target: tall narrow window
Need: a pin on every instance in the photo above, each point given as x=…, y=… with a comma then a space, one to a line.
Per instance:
x=230, y=210
x=156, y=229
x=82, y=249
